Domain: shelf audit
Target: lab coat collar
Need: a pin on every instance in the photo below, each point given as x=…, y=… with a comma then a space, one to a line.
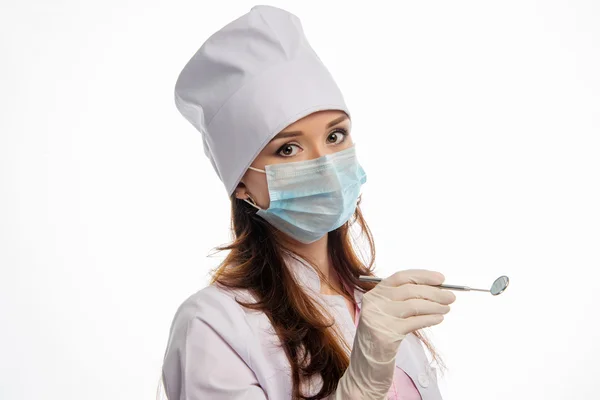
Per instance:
x=308, y=278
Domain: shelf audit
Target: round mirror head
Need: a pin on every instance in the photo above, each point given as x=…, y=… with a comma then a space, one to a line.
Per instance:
x=499, y=285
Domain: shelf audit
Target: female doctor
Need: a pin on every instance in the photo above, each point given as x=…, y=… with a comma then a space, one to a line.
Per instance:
x=285, y=316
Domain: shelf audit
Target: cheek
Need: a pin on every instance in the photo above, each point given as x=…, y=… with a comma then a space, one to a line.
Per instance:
x=258, y=189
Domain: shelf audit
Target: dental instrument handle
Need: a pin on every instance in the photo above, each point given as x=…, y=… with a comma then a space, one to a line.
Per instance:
x=366, y=278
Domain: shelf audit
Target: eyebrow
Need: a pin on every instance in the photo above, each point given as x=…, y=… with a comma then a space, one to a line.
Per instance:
x=288, y=134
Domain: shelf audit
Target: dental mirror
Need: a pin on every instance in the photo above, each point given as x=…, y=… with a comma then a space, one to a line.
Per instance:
x=498, y=286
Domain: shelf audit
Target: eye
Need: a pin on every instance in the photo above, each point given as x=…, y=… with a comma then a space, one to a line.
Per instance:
x=288, y=150
x=337, y=136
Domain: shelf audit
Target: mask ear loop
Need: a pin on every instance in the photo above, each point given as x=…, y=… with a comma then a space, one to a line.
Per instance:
x=257, y=170
x=252, y=202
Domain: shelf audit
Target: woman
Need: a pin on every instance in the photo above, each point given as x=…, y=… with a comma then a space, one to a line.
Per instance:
x=285, y=316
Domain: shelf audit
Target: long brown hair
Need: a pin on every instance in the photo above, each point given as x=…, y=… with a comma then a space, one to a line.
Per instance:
x=255, y=262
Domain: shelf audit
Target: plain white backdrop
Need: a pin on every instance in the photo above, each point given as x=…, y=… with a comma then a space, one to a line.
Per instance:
x=478, y=124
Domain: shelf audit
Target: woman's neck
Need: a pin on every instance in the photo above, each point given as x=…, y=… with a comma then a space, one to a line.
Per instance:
x=318, y=252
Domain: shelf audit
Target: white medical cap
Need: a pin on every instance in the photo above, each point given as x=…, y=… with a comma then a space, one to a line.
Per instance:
x=248, y=82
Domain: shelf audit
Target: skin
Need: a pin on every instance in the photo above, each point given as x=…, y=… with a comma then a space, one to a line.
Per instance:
x=313, y=139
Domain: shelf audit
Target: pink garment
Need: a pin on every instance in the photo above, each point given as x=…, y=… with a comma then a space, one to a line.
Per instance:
x=403, y=388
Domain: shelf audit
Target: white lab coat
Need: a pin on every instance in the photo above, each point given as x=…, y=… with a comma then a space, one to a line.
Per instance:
x=219, y=350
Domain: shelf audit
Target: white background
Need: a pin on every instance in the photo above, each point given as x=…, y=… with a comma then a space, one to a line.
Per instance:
x=477, y=122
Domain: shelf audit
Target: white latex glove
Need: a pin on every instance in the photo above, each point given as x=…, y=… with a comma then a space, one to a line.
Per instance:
x=395, y=307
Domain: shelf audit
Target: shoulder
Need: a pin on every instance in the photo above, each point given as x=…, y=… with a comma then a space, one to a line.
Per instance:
x=210, y=341
x=210, y=320
x=215, y=306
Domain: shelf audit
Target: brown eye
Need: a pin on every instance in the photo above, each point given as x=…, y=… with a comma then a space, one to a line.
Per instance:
x=288, y=150
x=337, y=136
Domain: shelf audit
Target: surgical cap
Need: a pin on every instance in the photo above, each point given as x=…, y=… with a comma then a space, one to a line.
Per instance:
x=248, y=82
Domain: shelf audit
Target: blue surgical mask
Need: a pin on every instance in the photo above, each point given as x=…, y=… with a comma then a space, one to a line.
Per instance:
x=311, y=198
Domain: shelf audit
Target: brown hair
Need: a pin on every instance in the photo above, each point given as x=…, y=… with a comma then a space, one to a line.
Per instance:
x=256, y=263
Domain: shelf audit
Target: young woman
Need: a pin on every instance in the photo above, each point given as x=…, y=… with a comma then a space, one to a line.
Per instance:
x=285, y=316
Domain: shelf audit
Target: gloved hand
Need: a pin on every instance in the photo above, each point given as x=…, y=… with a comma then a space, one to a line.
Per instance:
x=395, y=307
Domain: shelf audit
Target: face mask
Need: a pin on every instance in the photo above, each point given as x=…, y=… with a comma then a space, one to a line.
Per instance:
x=311, y=198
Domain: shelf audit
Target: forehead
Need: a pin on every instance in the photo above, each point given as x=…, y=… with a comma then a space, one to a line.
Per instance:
x=316, y=119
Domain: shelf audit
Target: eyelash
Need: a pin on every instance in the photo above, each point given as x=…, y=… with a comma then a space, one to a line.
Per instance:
x=343, y=131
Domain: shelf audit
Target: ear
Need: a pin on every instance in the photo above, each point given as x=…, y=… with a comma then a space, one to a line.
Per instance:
x=241, y=192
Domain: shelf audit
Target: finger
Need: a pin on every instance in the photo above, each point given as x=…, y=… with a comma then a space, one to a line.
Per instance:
x=416, y=276
x=422, y=321
x=412, y=291
x=412, y=307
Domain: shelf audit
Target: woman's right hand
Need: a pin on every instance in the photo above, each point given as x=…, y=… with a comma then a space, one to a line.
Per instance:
x=398, y=305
